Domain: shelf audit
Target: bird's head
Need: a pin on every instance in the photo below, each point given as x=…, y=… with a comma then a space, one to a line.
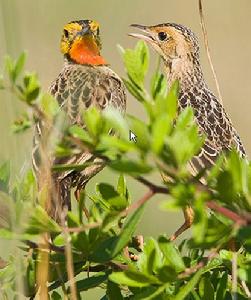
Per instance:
x=81, y=42
x=171, y=41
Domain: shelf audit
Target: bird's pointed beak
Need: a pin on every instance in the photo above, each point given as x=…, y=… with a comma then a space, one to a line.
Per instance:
x=85, y=31
x=145, y=35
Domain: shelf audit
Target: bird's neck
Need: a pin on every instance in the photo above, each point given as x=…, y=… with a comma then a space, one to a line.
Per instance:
x=187, y=71
x=86, y=52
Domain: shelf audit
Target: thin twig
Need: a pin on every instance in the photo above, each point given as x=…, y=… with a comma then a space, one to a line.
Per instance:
x=135, y=205
x=246, y=289
x=234, y=275
x=60, y=276
x=45, y=247
x=83, y=227
x=204, y=30
x=201, y=264
x=69, y=259
x=239, y=220
x=155, y=188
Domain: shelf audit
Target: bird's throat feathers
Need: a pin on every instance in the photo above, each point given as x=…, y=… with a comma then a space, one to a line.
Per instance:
x=85, y=51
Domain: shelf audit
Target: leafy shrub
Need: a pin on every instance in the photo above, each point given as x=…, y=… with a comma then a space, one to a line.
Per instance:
x=101, y=250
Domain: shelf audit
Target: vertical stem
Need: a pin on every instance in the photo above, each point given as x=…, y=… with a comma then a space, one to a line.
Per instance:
x=42, y=272
x=69, y=259
x=234, y=275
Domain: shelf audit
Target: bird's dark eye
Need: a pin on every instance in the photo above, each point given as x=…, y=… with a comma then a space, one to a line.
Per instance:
x=162, y=36
x=66, y=33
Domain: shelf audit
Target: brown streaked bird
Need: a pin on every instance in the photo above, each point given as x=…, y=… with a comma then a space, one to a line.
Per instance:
x=85, y=80
x=178, y=46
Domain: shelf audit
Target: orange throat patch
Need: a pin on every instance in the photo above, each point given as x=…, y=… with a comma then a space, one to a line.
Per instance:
x=85, y=51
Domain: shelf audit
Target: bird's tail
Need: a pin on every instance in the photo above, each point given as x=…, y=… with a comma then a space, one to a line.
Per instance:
x=60, y=200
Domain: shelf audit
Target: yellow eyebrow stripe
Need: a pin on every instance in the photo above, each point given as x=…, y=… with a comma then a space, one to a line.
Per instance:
x=94, y=25
x=73, y=27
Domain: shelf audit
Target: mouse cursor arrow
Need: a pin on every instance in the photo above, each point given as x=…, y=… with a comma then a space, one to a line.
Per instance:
x=132, y=136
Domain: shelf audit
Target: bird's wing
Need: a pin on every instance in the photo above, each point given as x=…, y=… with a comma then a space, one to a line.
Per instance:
x=215, y=124
x=77, y=88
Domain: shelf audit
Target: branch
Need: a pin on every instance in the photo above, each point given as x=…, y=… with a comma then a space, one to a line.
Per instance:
x=135, y=205
x=201, y=264
x=155, y=188
x=242, y=220
x=45, y=247
x=239, y=220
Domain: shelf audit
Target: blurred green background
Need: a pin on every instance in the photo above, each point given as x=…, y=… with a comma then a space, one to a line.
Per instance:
x=35, y=26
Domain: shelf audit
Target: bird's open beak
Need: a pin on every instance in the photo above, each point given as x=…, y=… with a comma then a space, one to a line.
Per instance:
x=145, y=35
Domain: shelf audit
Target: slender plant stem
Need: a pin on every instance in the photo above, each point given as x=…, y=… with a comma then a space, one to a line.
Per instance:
x=69, y=259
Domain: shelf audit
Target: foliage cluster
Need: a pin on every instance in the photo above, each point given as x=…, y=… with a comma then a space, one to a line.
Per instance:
x=101, y=249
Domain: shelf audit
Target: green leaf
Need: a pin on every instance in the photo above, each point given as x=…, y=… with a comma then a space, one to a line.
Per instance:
x=128, y=231
x=158, y=85
x=40, y=222
x=189, y=286
x=31, y=88
x=4, y=177
x=93, y=121
x=111, y=247
x=71, y=167
x=161, y=128
x=121, y=186
x=167, y=104
x=116, y=121
x=171, y=254
x=200, y=220
x=139, y=128
x=55, y=296
x=9, y=66
x=150, y=260
x=185, y=135
x=19, y=65
x=136, y=62
x=104, y=250
x=134, y=90
x=206, y=289
x=130, y=167
x=49, y=105
x=91, y=282
x=109, y=142
x=133, y=279
x=239, y=171
x=80, y=133
x=113, y=291
x=111, y=197
x=222, y=286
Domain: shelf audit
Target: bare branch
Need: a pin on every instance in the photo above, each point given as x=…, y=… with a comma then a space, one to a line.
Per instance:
x=239, y=220
x=155, y=188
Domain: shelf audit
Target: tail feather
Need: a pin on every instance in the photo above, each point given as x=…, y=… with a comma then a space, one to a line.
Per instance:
x=60, y=199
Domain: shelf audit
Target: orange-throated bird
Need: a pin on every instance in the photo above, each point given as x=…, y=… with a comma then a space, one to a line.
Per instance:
x=85, y=80
x=178, y=46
